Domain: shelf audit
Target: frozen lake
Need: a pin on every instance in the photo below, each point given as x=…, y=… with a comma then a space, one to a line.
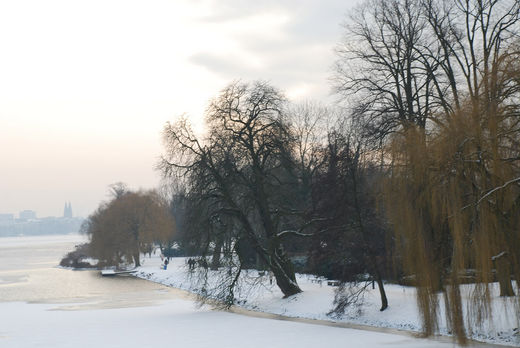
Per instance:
x=42, y=305
x=29, y=273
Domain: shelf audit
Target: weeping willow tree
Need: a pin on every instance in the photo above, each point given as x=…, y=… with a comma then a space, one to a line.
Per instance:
x=458, y=185
x=127, y=226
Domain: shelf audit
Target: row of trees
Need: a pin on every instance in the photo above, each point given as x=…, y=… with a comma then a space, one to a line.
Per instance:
x=421, y=166
x=269, y=181
x=416, y=174
x=437, y=84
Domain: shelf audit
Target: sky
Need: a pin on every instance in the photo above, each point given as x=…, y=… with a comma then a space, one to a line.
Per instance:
x=87, y=86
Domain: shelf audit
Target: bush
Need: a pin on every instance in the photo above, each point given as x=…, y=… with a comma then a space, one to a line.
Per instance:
x=75, y=259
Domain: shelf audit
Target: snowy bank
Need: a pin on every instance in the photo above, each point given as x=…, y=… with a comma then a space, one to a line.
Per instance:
x=316, y=301
x=42, y=305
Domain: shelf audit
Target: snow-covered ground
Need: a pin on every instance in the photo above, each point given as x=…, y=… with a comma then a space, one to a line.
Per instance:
x=175, y=323
x=317, y=297
x=42, y=305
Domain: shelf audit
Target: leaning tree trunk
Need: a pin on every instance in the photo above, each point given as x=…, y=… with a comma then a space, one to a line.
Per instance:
x=281, y=267
x=276, y=258
x=283, y=271
x=276, y=261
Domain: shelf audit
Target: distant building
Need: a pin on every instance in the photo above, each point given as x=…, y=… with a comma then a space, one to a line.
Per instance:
x=67, y=211
x=27, y=215
x=37, y=227
x=6, y=218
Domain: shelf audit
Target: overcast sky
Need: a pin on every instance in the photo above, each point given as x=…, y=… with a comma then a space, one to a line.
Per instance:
x=86, y=86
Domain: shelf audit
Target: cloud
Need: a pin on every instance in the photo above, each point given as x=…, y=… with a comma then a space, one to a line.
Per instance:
x=311, y=20
x=288, y=42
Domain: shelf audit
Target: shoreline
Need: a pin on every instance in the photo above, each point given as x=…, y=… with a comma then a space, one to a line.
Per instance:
x=176, y=277
x=236, y=309
x=84, y=309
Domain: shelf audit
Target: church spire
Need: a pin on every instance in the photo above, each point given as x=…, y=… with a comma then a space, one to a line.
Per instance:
x=67, y=210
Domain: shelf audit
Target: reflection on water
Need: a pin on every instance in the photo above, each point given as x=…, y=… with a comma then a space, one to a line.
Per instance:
x=29, y=272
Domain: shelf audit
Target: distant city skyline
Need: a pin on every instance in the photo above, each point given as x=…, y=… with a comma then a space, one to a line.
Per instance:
x=87, y=87
x=24, y=214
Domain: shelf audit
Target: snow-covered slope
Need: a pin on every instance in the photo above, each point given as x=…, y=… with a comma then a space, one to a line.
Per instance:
x=316, y=301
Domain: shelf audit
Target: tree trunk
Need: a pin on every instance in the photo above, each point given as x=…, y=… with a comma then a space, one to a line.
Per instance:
x=137, y=261
x=370, y=254
x=382, y=292
x=280, y=266
x=284, y=274
x=215, y=259
x=503, y=269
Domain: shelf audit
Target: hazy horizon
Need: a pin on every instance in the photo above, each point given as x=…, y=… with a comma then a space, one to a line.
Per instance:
x=86, y=87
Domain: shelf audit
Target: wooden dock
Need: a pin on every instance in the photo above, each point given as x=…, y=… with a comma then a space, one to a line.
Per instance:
x=113, y=272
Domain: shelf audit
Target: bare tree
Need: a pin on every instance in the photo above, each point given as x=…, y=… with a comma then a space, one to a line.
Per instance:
x=471, y=36
x=380, y=70
x=241, y=170
x=310, y=122
x=118, y=189
x=351, y=234
x=401, y=62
